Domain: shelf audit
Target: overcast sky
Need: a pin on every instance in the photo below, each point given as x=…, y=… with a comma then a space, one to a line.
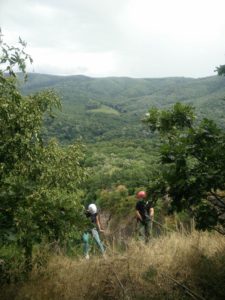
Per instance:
x=135, y=38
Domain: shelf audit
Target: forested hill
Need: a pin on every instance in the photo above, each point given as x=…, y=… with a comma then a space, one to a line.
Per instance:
x=107, y=108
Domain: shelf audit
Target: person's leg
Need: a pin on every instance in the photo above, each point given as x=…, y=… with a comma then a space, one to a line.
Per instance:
x=97, y=239
x=151, y=228
x=86, y=244
x=147, y=231
x=141, y=231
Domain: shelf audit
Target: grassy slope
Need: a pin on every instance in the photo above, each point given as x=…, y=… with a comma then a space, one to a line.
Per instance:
x=196, y=261
x=104, y=109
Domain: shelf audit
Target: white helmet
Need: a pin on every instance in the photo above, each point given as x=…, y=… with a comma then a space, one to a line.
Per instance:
x=92, y=208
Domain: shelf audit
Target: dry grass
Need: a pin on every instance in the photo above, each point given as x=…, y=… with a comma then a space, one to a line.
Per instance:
x=141, y=272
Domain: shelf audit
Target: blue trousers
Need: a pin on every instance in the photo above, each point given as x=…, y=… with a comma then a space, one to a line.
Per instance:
x=86, y=238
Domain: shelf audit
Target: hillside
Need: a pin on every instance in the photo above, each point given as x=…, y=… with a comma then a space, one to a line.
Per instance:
x=107, y=108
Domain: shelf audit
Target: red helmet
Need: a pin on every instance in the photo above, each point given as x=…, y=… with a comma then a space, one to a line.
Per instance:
x=141, y=194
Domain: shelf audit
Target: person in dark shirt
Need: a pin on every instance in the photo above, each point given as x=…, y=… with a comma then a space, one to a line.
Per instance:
x=94, y=227
x=144, y=215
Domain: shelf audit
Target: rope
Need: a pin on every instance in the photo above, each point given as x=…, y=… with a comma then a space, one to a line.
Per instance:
x=163, y=226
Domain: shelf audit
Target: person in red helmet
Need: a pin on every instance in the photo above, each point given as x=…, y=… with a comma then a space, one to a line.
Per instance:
x=144, y=215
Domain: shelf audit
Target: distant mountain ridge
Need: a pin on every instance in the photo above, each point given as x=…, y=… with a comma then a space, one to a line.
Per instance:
x=104, y=108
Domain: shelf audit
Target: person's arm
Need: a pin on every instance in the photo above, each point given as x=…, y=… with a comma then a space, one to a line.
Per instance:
x=151, y=213
x=139, y=217
x=99, y=224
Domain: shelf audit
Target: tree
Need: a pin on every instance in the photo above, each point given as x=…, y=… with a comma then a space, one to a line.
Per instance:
x=39, y=182
x=115, y=201
x=221, y=70
x=192, y=164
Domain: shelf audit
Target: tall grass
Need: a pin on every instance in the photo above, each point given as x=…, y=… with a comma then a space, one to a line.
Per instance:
x=175, y=266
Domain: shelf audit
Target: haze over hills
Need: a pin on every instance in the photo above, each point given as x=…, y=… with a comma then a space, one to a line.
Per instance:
x=112, y=107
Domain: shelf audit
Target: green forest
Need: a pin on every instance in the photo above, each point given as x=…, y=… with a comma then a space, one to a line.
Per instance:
x=68, y=141
x=102, y=109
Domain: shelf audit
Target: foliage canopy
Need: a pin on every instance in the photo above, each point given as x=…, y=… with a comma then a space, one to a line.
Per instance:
x=192, y=164
x=39, y=182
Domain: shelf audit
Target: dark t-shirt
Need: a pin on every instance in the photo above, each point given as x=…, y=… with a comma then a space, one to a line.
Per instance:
x=92, y=218
x=143, y=207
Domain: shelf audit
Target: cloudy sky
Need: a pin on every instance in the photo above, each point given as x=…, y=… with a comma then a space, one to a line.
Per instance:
x=135, y=38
